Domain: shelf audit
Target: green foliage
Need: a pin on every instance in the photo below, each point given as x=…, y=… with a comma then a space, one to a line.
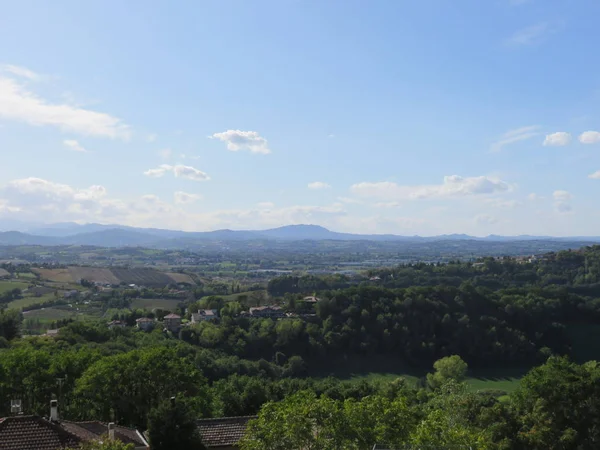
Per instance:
x=448, y=368
x=10, y=323
x=559, y=402
x=127, y=386
x=304, y=421
x=172, y=426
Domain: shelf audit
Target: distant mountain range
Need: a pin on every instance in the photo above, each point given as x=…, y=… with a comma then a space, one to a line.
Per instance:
x=122, y=236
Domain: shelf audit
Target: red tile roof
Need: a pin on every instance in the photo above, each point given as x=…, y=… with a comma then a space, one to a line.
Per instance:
x=225, y=431
x=37, y=433
x=96, y=429
x=34, y=433
x=172, y=316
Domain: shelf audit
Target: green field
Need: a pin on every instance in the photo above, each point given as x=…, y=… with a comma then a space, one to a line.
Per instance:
x=49, y=314
x=9, y=285
x=28, y=301
x=151, y=303
x=26, y=276
x=386, y=369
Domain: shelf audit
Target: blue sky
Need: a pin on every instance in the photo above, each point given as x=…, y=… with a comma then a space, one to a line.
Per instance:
x=401, y=117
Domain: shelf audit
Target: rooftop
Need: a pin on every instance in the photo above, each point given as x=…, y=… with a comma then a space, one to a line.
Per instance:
x=34, y=433
x=95, y=429
x=224, y=431
x=172, y=316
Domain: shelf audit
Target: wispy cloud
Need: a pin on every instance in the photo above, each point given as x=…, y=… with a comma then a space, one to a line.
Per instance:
x=452, y=186
x=532, y=35
x=180, y=171
x=318, y=185
x=558, y=139
x=595, y=175
x=17, y=103
x=20, y=72
x=513, y=136
x=74, y=145
x=562, y=201
x=243, y=140
x=183, y=198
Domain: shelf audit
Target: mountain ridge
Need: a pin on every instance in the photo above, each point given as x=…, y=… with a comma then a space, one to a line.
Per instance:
x=126, y=236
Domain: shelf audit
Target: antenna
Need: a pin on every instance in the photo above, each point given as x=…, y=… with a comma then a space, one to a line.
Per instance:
x=15, y=406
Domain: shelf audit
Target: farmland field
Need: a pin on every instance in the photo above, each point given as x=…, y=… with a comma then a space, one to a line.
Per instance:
x=151, y=303
x=28, y=301
x=180, y=277
x=144, y=277
x=9, y=285
x=140, y=276
x=58, y=275
x=94, y=274
x=49, y=314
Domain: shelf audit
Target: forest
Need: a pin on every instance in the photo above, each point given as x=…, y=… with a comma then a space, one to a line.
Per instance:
x=445, y=318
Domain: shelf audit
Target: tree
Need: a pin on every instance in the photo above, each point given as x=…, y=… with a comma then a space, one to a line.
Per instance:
x=172, y=426
x=305, y=421
x=448, y=368
x=559, y=402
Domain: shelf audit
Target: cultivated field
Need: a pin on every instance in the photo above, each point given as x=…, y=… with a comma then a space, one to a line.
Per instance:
x=141, y=276
x=58, y=275
x=95, y=274
x=180, y=277
x=151, y=303
x=144, y=277
x=10, y=285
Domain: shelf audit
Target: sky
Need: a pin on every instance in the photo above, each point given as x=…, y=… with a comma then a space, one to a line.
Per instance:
x=408, y=117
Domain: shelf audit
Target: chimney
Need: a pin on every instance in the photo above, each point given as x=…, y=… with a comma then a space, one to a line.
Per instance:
x=54, y=410
x=111, y=431
x=15, y=407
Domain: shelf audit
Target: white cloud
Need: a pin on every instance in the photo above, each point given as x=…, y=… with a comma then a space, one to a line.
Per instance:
x=243, y=140
x=452, y=186
x=595, y=175
x=151, y=137
x=183, y=198
x=318, y=185
x=16, y=103
x=20, y=72
x=534, y=197
x=485, y=219
x=165, y=153
x=514, y=136
x=558, y=139
x=386, y=205
x=266, y=205
x=74, y=145
x=350, y=200
x=562, y=201
x=505, y=204
x=531, y=35
x=562, y=195
x=590, y=137
x=179, y=171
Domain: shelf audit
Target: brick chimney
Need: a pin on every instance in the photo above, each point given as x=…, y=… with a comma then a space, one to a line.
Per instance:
x=111, y=431
x=54, y=410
